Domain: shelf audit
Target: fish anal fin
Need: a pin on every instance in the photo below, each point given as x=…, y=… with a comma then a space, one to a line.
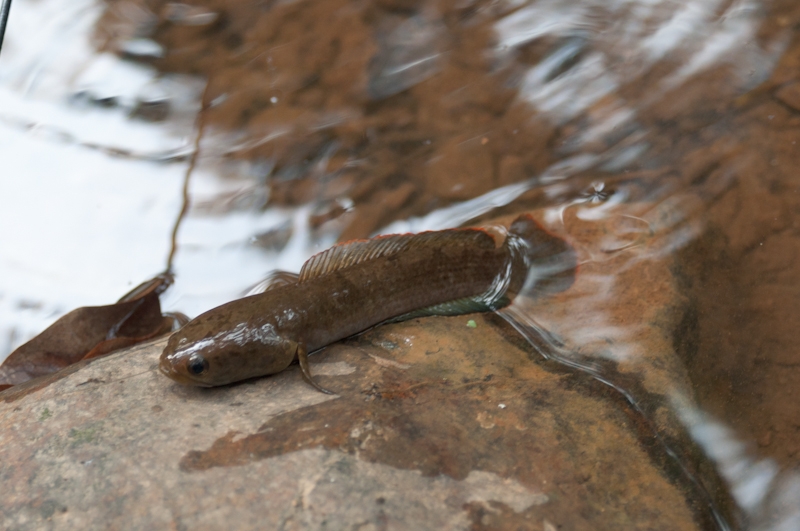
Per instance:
x=357, y=251
x=456, y=307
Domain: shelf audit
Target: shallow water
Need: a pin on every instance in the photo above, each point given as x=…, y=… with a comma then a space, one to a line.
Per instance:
x=659, y=136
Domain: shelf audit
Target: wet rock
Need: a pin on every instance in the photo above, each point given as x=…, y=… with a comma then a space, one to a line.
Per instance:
x=370, y=218
x=628, y=320
x=790, y=95
x=408, y=54
x=443, y=422
x=380, y=85
x=141, y=49
x=274, y=239
x=460, y=169
x=429, y=430
x=153, y=102
x=184, y=14
x=511, y=170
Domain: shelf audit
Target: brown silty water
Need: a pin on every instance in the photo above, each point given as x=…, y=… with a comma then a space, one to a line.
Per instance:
x=380, y=111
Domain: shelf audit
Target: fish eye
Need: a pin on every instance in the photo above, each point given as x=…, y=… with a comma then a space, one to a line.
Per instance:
x=197, y=364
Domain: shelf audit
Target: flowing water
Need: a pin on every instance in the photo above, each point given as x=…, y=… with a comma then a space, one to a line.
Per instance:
x=658, y=137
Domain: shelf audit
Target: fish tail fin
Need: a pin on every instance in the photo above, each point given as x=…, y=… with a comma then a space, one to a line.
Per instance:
x=541, y=255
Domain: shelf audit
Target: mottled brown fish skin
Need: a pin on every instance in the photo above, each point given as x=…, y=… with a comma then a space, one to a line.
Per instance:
x=262, y=334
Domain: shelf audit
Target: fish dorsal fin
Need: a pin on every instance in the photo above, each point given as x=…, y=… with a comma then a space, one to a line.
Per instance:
x=276, y=279
x=355, y=252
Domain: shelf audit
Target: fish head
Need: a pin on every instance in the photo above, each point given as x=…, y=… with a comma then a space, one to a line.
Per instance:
x=207, y=356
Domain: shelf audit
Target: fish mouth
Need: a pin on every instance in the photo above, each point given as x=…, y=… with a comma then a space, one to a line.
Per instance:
x=166, y=368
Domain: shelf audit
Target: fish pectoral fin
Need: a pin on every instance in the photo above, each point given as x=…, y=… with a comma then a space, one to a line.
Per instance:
x=302, y=357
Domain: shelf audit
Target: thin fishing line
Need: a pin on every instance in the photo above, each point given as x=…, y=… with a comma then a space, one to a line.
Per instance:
x=5, y=7
x=192, y=163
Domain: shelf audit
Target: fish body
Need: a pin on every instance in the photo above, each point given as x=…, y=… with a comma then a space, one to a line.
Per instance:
x=348, y=289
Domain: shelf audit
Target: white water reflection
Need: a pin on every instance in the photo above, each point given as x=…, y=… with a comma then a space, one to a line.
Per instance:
x=770, y=497
x=90, y=195
x=77, y=223
x=601, y=47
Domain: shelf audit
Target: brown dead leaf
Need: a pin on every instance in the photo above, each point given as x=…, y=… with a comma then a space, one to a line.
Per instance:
x=92, y=331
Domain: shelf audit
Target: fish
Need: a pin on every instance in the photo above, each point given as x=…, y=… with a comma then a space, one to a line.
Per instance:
x=352, y=287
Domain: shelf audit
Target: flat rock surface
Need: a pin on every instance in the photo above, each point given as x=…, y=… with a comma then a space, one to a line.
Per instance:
x=438, y=424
